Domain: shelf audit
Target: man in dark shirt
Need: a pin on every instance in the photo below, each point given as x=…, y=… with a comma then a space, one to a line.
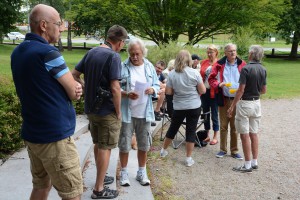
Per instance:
x=46, y=87
x=248, y=109
x=101, y=66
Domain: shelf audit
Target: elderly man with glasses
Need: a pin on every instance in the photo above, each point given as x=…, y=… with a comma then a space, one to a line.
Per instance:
x=228, y=69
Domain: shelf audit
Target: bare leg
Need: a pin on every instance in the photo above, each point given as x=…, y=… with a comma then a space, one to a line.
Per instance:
x=160, y=101
x=40, y=194
x=142, y=158
x=123, y=159
x=102, y=161
x=189, y=148
x=254, y=145
x=167, y=142
x=246, y=146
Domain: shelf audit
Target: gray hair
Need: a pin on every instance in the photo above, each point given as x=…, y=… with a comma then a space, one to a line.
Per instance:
x=256, y=53
x=139, y=42
x=229, y=45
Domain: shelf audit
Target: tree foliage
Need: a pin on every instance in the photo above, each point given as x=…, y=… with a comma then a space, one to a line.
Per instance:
x=290, y=26
x=163, y=21
x=9, y=10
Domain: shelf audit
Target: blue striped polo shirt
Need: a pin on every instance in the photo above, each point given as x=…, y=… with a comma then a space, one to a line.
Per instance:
x=47, y=112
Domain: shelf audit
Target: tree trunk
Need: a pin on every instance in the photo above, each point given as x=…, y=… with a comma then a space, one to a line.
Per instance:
x=60, y=46
x=294, y=50
x=69, y=36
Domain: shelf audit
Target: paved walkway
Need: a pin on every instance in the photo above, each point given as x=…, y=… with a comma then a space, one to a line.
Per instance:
x=15, y=176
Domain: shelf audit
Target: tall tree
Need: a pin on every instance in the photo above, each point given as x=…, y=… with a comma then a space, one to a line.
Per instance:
x=163, y=21
x=9, y=10
x=290, y=26
x=210, y=18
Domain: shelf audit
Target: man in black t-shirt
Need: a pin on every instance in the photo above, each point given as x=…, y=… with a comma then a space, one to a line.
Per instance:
x=248, y=109
x=101, y=66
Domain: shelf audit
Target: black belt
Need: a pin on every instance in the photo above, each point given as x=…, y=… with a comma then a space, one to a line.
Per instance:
x=231, y=98
x=250, y=98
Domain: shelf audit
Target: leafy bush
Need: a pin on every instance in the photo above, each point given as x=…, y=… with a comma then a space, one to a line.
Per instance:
x=166, y=53
x=10, y=118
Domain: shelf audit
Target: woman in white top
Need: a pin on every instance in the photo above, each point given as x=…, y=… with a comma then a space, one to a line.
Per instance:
x=185, y=84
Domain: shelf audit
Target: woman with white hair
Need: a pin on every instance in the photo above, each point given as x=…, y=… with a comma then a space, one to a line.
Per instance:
x=185, y=84
x=137, y=109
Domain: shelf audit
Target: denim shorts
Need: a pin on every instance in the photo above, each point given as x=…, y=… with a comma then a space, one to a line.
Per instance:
x=105, y=130
x=142, y=131
x=248, y=116
x=56, y=163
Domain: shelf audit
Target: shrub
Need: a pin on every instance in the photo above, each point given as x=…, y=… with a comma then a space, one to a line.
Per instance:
x=10, y=118
x=166, y=53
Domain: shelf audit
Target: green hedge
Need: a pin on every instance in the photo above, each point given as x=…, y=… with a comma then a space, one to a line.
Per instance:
x=10, y=118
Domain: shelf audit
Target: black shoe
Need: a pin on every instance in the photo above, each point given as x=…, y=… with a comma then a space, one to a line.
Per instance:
x=106, y=193
x=153, y=124
x=108, y=180
x=157, y=116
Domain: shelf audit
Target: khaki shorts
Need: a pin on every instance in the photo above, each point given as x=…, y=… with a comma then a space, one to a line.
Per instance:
x=56, y=163
x=248, y=115
x=105, y=130
x=141, y=128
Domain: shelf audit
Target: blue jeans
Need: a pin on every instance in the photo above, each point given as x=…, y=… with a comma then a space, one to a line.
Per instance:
x=210, y=104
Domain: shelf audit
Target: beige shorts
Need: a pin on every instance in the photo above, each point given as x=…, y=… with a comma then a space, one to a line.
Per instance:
x=105, y=130
x=248, y=115
x=56, y=163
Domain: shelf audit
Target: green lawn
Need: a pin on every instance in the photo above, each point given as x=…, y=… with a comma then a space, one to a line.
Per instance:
x=281, y=79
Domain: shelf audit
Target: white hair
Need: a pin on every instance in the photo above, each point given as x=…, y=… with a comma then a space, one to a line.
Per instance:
x=139, y=42
x=229, y=45
x=257, y=53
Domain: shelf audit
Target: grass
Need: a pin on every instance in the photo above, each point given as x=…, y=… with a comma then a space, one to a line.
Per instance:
x=282, y=74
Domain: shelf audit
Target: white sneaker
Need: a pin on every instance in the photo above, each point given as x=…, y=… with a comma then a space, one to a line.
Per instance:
x=189, y=162
x=163, y=153
x=142, y=178
x=124, y=180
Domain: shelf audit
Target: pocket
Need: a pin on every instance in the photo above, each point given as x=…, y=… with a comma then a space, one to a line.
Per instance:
x=68, y=173
x=114, y=132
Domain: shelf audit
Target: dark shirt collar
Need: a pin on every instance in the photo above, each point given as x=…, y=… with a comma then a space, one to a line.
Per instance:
x=33, y=36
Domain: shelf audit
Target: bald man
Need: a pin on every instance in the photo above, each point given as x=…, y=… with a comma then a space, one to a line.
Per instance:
x=46, y=87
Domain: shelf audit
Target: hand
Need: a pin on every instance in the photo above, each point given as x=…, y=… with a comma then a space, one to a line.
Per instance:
x=229, y=112
x=149, y=91
x=221, y=85
x=132, y=95
x=78, y=90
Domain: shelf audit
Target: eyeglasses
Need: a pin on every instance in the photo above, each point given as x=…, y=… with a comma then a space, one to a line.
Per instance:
x=59, y=23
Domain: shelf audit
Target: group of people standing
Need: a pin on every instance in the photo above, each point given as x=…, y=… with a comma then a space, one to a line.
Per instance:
x=118, y=103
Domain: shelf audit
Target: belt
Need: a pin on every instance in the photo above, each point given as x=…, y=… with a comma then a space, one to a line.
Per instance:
x=250, y=98
x=231, y=98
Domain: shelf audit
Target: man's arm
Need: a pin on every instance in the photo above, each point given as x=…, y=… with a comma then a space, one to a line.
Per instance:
x=263, y=89
x=238, y=96
x=76, y=75
x=72, y=87
x=116, y=92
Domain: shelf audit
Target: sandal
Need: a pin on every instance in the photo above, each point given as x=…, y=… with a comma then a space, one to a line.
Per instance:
x=108, y=180
x=207, y=139
x=106, y=193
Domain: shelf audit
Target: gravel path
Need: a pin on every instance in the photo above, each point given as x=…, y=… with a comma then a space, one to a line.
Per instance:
x=278, y=176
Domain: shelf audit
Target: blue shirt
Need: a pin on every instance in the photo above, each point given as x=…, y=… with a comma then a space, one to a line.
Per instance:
x=48, y=113
x=92, y=66
x=151, y=77
x=231, y=75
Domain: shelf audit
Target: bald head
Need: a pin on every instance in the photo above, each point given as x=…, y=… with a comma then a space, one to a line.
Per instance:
x=41, y=12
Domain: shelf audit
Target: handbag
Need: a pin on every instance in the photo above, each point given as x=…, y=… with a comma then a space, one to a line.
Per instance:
x=220, y=97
